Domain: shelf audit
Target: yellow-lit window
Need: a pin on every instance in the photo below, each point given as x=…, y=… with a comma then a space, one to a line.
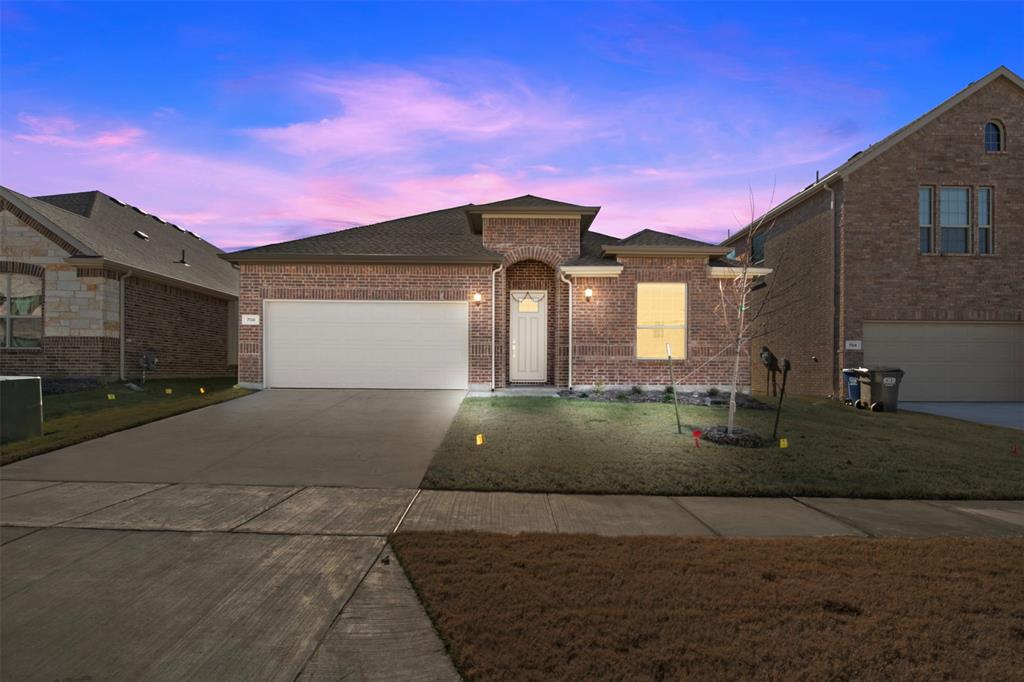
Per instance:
x=660, y=319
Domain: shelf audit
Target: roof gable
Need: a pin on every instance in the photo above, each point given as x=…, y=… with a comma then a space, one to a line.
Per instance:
x=103, y=228
x=530, y=204
x=873, y=151
x=649, y=237
x=436, y=235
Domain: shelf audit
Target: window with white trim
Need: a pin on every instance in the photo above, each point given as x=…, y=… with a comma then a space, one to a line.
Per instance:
x=924, y=219
x=985, y=220
x=955, y=219
x=21, y=311
x=660, y=320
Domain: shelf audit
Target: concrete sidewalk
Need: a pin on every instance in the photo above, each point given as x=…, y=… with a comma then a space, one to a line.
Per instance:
x=294, y=510
x=154, y=581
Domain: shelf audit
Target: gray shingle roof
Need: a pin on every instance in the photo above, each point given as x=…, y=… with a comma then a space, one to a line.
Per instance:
x=529, y=202
x=655, y=238
x=443, y=234
x=107, y=226
x=446, y=236
x=76, y=202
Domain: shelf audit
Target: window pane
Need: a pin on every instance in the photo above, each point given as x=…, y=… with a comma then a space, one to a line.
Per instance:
x=650, y=343
x=660, y=304
x=993, y=143
x=757, y=248
x=984, y=216
x=528, y=305
x=953, y=206
x=926, y=239
x=984, y=240
x=26, y=333
x=3, y=294
x=924, y=205
x=954, y=240
x=26, y=296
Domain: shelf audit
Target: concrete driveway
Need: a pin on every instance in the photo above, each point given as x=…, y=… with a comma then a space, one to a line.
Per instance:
x=1010, y=415
x=355, y=438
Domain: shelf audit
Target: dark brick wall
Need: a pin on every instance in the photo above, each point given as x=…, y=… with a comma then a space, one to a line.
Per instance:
x=65, y=357
x=794, y=314
x=884, y=275
x=188, y=330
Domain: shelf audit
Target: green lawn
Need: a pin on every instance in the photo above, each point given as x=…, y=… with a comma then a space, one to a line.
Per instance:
x=557, y=445
x=71, y=418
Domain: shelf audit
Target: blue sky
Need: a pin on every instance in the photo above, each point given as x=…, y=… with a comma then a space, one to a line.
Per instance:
x=253, y=123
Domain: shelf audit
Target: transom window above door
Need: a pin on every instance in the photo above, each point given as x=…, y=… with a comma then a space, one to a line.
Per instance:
x=528, y=301
x=660, y=320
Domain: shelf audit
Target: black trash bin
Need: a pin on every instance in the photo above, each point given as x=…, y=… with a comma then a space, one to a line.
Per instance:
x=880, y=389
x=851, y=379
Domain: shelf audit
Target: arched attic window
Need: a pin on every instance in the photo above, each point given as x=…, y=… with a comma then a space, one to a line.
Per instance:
x=994, y=137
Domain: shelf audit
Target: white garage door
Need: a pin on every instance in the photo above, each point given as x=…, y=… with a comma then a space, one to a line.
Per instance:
x=950, y=361
x=366, y=344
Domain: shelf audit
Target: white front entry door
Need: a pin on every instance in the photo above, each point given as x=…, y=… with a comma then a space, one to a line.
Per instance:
x=528, y=336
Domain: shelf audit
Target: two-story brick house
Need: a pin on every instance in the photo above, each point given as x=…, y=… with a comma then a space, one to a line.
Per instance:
x=908, y=255
x=484, y=296
x=89, y=283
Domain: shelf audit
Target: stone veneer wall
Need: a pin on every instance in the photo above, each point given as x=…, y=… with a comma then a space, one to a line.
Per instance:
x=81, y=323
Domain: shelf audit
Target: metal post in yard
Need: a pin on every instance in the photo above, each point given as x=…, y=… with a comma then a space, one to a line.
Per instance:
x=672, y=378
x=782, y=394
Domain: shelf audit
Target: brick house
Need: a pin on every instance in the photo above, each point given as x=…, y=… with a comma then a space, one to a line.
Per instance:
x=515, y=292
x=908, y=255
x=88, y=283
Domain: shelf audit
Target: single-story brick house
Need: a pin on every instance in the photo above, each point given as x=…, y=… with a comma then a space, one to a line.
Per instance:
x=908, y=255
x=514, y=292
x=89, y=283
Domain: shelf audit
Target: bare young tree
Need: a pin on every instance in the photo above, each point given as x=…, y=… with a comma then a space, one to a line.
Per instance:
x=735, y=297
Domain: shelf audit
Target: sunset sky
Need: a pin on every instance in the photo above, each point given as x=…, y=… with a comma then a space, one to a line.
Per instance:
x=255, y=123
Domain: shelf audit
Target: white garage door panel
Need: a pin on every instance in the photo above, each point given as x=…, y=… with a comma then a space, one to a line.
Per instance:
x=373, y=344
x=950, y=361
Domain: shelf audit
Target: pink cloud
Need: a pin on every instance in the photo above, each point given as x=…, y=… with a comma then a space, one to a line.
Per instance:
x=396, y=111
x=59, y=131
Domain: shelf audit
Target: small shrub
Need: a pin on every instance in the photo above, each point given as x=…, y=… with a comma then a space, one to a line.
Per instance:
x=713, y=392
x=637, y=390
x=622, y=397
x=583, y=395
x=669, y=390
x=599, y=386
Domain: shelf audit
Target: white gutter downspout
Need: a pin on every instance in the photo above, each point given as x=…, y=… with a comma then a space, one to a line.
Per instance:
x=837, y=348
x=494, y=274
x=561, y=275
x=120, y=315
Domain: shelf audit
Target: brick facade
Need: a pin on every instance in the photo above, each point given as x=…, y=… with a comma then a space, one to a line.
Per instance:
x=187, y=329
x=533, y=248
x=604, y=328
x=881, y=275
x=82, y=315
x=364, y=282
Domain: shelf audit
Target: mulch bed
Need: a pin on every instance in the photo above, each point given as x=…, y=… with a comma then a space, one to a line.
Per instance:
x=542, y=607
x=637, y=395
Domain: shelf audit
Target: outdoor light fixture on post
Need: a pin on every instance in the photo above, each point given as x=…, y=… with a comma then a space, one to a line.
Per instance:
x=588, y=293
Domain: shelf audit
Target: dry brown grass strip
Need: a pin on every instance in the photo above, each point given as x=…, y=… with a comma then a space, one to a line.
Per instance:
x=543, y=607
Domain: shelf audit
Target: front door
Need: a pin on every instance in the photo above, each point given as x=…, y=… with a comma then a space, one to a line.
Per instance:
x=528, y=336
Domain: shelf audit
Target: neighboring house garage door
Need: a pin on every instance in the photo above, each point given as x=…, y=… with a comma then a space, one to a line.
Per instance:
x=950, y=361
x=366, y=344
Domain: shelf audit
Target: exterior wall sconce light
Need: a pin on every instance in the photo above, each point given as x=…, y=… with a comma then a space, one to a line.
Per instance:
x=588, y=293
x=477, y=298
